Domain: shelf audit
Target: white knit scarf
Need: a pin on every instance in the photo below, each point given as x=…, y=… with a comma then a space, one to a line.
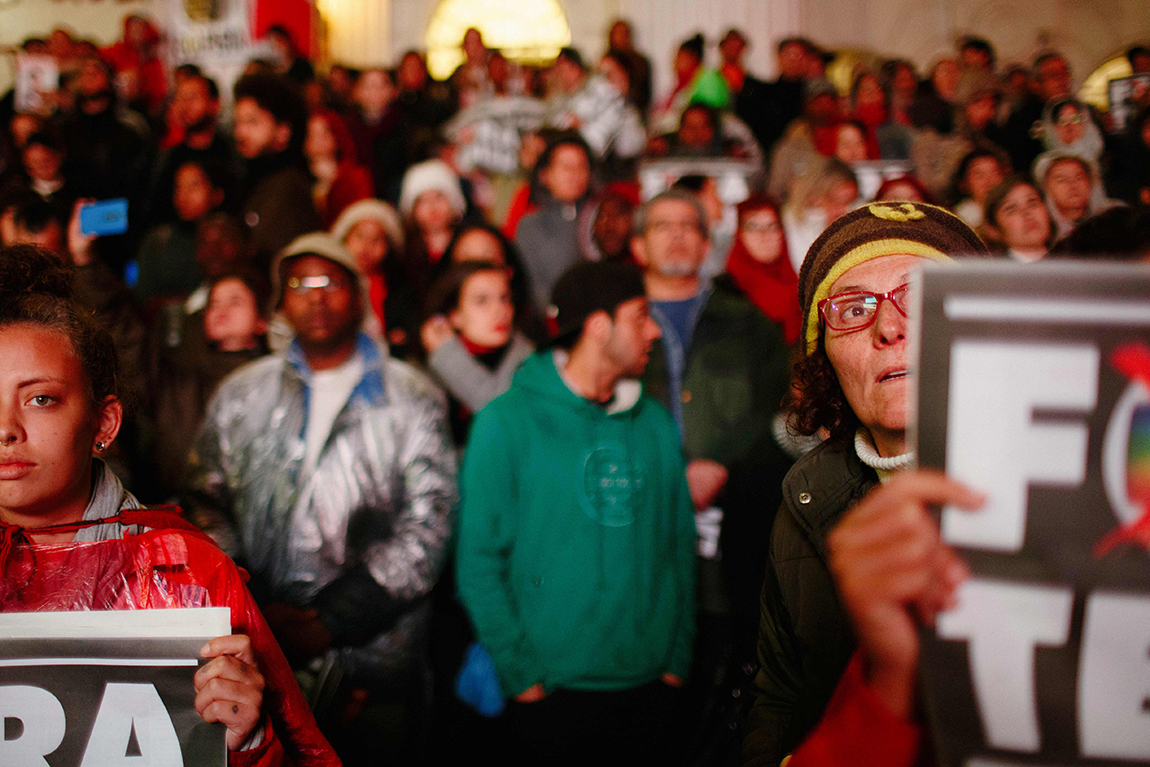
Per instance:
x=885, y=467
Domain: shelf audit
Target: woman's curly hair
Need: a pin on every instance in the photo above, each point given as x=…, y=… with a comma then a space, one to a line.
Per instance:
x=816, y=400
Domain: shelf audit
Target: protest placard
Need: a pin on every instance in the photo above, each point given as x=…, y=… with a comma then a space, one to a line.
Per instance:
x=216, y=36
x=1034, y=388
x=1126, y=96
x=100, y=688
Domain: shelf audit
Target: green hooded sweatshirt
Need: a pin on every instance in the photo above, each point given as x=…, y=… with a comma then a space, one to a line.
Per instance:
x=576, y=551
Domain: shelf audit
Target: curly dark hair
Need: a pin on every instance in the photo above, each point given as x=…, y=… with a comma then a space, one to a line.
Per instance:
x=817, y=401
x=276, y=95
x=36, y=289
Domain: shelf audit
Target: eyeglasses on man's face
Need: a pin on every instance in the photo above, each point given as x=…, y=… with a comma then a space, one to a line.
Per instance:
x=673, y=226
x=303, y=285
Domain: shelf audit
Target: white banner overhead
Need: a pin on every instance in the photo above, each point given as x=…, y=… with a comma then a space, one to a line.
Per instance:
x=215, y=35
x=209, y=30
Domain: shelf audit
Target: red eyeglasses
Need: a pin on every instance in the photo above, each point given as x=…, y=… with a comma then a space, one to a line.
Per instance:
x=859, y=308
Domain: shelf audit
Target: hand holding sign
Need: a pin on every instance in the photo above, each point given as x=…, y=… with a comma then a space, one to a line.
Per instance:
x=893, y=570
x=103, y=687
x=229, y=688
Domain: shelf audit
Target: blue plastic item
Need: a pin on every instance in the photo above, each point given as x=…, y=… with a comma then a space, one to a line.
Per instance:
x=104, y=218
x=478, y=683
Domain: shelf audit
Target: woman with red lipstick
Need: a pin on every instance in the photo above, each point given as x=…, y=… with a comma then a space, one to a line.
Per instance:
x=851, y=386
x=471, y=342
x=72, y=538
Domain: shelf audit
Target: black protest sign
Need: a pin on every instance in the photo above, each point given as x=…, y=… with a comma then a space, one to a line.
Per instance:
x=1034, y=388
x=1127, y=96
x=104, y=702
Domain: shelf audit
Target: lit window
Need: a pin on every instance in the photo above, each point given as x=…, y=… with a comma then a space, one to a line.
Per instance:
x=529, y=31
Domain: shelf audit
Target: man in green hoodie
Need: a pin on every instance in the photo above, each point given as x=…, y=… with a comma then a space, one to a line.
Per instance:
x=577, y=538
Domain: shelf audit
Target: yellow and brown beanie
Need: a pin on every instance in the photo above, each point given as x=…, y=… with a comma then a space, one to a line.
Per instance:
x=871, y=231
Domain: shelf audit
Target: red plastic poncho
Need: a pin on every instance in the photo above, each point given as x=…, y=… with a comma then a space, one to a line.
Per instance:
x=169, y=564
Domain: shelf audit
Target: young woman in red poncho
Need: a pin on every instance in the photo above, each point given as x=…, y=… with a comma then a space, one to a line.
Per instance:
x=72, y=538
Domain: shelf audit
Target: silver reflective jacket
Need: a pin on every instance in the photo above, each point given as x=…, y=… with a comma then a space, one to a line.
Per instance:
x=382, y=493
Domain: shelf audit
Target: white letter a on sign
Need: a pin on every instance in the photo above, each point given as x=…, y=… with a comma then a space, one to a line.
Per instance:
x=128, y=708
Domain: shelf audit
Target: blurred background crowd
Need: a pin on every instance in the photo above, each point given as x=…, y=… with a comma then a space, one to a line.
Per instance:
x=460, y=202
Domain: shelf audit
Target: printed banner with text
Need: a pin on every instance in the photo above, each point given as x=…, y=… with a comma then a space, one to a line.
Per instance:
x=1034, y=388
x=74, y=696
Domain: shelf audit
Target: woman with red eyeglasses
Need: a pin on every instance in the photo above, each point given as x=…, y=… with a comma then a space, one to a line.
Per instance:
x=851, y=386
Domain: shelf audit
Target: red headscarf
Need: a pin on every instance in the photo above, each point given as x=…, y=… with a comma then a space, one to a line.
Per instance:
x=353, y=182
x=344, y=145
x=825, y=138
x=773, y=287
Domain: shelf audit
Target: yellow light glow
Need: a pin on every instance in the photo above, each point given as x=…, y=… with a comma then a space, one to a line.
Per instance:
x=847, y=63
x=357, y=32
x=1094, y=91
x=524, y=30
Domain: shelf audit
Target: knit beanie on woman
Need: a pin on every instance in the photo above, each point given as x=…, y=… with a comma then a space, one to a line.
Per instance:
x=425, y=176
x=872, y=231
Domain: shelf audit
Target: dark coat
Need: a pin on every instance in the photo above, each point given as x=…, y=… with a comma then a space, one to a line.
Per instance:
x=768, y=108
x=1017, y=135
x=805, y=637
x=278, y=208
x=102, y=293
x=548, y=240
x=115, y=146
x=734, y=380
x=185, y=370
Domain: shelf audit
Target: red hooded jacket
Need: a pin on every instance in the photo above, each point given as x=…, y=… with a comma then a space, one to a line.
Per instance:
x=167, y=566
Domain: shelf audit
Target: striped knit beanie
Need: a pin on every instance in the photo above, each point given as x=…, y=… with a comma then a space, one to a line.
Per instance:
x=871, y=231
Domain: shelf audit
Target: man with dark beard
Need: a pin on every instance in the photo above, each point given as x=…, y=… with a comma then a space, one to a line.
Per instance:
x=197, y=108
x=270, y=124
x=576, y=540
x=721, y=369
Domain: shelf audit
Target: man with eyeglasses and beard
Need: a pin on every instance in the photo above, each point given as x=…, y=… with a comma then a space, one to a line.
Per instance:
x=722, y=370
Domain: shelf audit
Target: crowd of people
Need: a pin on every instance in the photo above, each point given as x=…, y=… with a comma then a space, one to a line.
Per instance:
x=497, y=432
